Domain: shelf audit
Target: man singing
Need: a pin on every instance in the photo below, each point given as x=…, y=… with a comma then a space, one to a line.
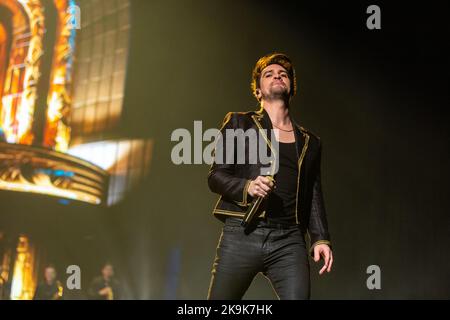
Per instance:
x=292, y=203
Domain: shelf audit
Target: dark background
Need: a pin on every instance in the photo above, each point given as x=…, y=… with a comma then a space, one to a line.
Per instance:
x=377, y=98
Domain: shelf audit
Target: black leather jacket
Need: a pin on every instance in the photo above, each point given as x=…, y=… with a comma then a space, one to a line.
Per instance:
x=231, y=181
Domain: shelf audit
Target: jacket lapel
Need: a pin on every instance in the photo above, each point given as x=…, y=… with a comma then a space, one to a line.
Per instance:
x=299, y=138
x=263, y=117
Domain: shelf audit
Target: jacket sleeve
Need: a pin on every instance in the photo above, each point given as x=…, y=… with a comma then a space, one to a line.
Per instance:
x=221, y=177
x=318, y=225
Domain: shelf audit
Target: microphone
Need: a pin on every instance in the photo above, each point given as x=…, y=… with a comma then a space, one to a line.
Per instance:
x=253, y=208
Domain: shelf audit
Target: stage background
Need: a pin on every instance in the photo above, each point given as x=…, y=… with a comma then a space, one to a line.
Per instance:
x=377, y=98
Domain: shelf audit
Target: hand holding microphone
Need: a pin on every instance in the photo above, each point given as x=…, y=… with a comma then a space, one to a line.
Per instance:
x=261, y=186
x=258, y=189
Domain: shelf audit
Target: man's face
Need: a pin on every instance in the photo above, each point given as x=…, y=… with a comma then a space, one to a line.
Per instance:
x=274, y=82
x=108, y=271
x=50, y=275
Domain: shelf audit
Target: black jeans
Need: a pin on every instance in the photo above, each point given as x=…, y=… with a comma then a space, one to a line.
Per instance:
x=278, y=252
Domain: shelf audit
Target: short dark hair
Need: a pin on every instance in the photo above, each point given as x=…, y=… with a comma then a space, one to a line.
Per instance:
x=50, y=266
x=273, y=58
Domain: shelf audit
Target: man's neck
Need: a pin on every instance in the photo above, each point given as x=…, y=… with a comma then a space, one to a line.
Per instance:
x=278, y=111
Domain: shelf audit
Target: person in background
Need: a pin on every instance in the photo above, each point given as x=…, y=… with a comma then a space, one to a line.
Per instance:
x=106, y=286
x=5, y=287
x=50, y=288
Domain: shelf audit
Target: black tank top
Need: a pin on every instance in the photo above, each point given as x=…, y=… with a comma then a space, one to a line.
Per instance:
x=281, y=202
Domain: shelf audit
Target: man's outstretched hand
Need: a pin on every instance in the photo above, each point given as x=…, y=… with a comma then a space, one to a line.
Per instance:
x=324, y=251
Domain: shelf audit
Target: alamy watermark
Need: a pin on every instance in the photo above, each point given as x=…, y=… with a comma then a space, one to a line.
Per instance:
x=229, y=146
x=374, y=280
x=73, y=281
x=374, y=20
